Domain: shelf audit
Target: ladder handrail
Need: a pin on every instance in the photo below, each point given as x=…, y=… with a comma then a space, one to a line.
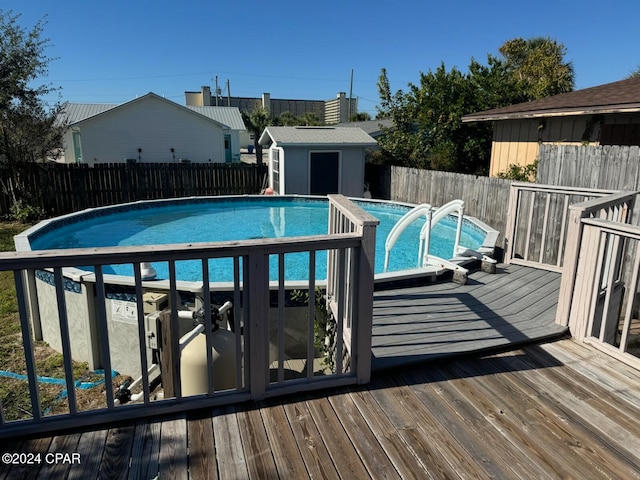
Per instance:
x=432, y=218
x=439, y=214
x=408, y=218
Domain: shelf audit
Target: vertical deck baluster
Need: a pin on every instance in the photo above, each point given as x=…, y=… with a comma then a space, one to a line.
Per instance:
x=103, y=333
x=174, y=297
x=351, y=312
x=27, y=342
x=312, y=315
x=34, y=308
x=613, y=242
x=240, y=321
x=563, y=228
x=67, y=357
x=545, y=221
x=529, y=223
x=142, y=339
x=340, y=311
x=596, y=282
x=281, y=317
x=208, y=326
x=513, y=214
x=633, y=286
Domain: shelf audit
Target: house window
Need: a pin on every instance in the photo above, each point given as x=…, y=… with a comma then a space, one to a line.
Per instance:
x=77, y=147
x=275, y=170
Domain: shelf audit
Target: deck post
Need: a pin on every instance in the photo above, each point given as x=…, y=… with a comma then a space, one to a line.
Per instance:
x=258, y=322
x=364, y=302
x=574, y=244
x=570, y=266
x=582, y=298
x=510, y=230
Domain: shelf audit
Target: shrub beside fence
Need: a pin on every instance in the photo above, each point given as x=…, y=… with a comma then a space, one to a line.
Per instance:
x=58, y=188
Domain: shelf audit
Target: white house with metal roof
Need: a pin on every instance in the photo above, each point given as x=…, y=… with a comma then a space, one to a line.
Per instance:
x=150, y=129
x=317, y=160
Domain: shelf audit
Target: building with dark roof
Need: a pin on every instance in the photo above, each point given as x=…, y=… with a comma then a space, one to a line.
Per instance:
x=603, y=115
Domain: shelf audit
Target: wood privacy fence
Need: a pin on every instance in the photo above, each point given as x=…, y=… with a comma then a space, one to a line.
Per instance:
x=58, y=188
x=486, y=198
x=603, y=167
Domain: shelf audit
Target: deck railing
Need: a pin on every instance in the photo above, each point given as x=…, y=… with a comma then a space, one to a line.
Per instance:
x=537, y=222
x=598, y=299
x=273, y=338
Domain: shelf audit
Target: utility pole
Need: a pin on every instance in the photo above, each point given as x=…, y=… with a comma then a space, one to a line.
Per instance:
x=228, y=94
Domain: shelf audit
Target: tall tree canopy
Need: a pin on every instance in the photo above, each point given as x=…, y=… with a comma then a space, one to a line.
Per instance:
x=428, y=131
x=538, y=66
x=29, y=130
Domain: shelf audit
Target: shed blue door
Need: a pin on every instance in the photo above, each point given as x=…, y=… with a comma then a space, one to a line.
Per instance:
x=324, y=173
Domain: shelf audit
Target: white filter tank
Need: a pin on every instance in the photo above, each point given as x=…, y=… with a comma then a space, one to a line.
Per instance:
x=193, y=363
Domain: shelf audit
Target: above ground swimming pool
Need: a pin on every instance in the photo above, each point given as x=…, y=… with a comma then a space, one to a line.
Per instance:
x=214, y=219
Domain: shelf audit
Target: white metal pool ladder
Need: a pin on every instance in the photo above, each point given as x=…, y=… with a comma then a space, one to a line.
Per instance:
x=432, y=218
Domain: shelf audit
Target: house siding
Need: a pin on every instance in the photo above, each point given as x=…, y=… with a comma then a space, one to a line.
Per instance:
x=516, y=142
x=154, y=126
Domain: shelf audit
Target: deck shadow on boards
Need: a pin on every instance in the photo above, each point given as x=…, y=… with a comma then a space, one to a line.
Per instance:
x=515, y=306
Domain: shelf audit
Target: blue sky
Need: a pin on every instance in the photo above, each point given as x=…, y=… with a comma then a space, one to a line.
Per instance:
x=111, y=52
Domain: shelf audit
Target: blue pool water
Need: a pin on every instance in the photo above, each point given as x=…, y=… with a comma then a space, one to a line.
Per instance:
x=239, y=219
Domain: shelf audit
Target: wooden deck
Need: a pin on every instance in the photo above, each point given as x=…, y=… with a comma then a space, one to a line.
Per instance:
x=513, y=306
x=440, y=405
x=556, y=410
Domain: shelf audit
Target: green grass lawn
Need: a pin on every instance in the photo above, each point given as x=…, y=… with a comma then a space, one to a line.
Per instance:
x=14, y=394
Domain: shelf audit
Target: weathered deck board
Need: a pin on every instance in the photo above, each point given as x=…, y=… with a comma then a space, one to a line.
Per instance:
x=556, y=410
x=515, y=305
x=544, y=411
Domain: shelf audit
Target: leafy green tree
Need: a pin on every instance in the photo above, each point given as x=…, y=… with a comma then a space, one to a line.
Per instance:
x=403, y=144
x=635, y=73
x=428, y=130
x=310, y=119
x=29, y=127
x=288, y=119
x=256, y=121
x=538, y=66
x=360, y=117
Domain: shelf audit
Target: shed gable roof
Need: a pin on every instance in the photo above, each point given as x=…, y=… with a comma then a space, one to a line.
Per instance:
x=316, y=136
x=617, y=97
